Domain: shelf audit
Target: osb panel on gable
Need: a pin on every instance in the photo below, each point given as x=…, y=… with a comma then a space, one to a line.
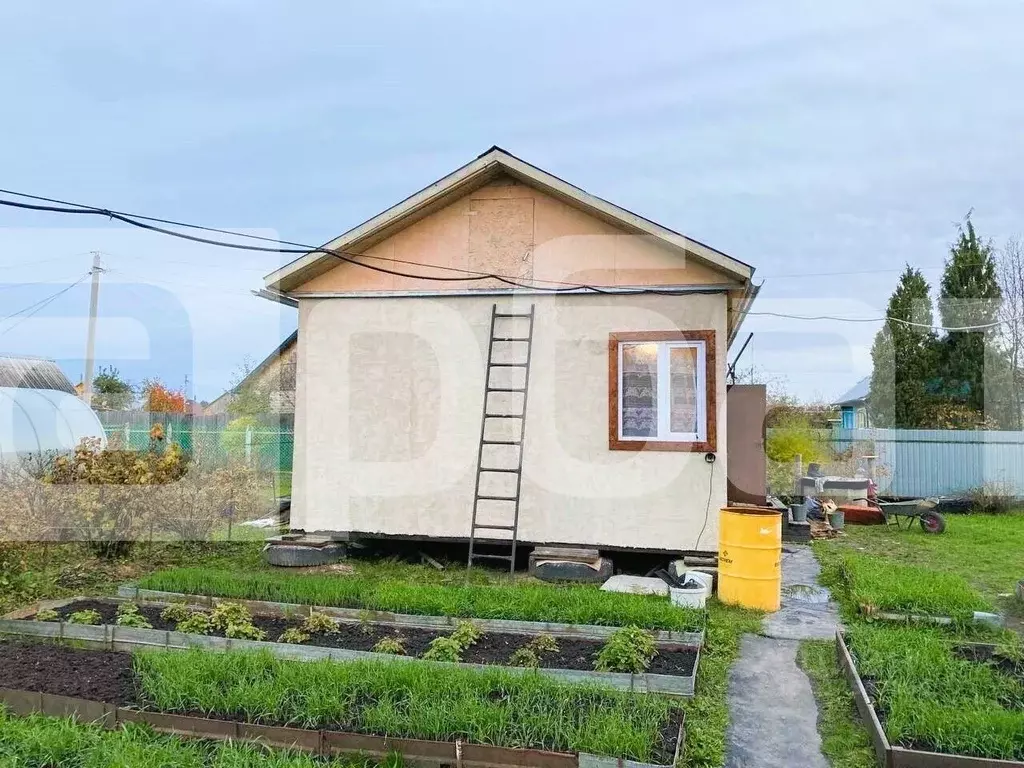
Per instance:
x=511, y=229
x=501, y=236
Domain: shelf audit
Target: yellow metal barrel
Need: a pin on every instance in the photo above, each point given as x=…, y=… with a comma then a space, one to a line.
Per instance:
x=750, y=557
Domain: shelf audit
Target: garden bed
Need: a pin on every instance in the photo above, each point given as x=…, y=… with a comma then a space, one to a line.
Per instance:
x=422, y=620
x=526, y=602
x=929, y=702
x=671, y=671
x=491, y=648
x=445, y=718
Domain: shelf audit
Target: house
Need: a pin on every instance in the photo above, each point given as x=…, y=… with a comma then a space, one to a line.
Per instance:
x=603, y=423
x=275, y=375
x=853, y=405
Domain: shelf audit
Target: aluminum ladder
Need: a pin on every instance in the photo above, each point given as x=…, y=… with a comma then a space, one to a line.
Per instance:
x=494, y=417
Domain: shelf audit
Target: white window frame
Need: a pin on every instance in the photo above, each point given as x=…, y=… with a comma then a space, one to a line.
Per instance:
x=664, y=389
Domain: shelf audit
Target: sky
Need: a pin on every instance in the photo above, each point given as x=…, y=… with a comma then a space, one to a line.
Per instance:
x=826, y=144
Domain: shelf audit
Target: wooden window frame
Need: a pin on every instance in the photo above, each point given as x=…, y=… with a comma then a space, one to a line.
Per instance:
x=709, y=445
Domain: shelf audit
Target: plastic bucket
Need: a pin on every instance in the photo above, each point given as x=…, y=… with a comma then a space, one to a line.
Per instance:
x=692, y=598
x=837, y=519
x=799, y=512
x=750, y=557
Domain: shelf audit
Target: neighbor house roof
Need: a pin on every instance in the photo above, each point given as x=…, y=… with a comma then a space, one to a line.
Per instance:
x=33, y=373
x=470, y=177
x=857, y=394
x=283, y=347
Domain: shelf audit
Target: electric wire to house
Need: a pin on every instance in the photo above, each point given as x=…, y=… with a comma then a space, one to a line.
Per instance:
x=149, y=223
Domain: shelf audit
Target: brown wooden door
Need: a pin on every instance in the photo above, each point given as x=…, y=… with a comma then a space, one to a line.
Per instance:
x=745, y=413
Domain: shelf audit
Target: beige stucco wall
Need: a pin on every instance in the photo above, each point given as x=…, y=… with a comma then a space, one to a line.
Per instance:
x=389, y=395
x=511, y=229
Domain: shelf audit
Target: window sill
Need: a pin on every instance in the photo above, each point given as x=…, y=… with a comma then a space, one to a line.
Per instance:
x=614, y=444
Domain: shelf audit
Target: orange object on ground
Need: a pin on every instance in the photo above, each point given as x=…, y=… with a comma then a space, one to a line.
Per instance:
x=855, y=515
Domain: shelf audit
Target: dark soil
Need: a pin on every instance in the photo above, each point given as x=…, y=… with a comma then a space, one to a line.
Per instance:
x=45, y=668
x=491, y=648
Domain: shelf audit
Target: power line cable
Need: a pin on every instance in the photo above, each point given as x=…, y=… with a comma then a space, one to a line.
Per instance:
x=880, y=320
x=138, y=220
x=39, y=306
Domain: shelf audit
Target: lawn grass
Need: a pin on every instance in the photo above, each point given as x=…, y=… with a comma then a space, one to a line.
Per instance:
x=985, y=550
x=40, y=570
x=521, y=601
x=859, y=579
x=707, y=713
x=406, y=700
x=932, y=699
x=43, y=742
x=844, y=739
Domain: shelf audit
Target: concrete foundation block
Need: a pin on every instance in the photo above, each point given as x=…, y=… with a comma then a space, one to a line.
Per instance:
x=570, y=570
x=636, y=585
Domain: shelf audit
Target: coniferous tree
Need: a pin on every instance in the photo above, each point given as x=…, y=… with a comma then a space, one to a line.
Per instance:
x=904, y=358
x=970, y=296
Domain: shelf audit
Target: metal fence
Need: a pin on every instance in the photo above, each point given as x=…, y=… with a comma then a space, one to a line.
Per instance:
x=267, y=443
x=939, y=462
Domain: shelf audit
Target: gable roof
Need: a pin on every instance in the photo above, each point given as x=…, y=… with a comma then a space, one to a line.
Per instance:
x=33, y=373
x=280, y=350
x=470, y=177
x=857, y=394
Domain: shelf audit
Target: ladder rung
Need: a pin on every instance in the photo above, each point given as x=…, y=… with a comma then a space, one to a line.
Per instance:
x=491, y=557
x=501, y=442
x=504, y=416
x=506, y=389
x=510, y=338
x=499, y=469
x=496, y=498
x=506, y=365
x=500, y=314
x=495, y=527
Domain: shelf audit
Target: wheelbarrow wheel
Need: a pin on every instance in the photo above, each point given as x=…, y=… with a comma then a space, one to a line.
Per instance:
x=932, y=522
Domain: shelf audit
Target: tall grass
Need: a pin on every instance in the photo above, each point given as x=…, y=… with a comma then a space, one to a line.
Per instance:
x=859, y=579
x=38, y=742
x=932, y=699
x=406, y=700
x=522, y=602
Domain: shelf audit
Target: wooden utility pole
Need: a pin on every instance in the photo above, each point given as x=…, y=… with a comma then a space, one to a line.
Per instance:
x=90, y=342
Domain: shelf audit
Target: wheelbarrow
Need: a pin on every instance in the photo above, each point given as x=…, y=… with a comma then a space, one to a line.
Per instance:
x=921, y=510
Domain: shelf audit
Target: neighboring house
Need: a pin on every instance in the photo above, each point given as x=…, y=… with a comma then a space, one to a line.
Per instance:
x=276, y=375
x=853, y=405
x=625, y=439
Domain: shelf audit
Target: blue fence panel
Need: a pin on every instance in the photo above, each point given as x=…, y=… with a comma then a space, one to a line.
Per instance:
x=939, y=462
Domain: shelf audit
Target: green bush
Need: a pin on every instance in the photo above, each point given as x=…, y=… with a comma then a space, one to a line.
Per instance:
x=629, y=649
x=544, y=644
x=128, y=616
x=226, y=614
x=466, y=633
x=88, y=616
x=175, y=613
x=244, y=631
x=196, y=623
x=443, y=649
x=232, y=439
x=393, y=645
x=524, y=657
x=293, y=635
x=318, y=623
x=47, y=614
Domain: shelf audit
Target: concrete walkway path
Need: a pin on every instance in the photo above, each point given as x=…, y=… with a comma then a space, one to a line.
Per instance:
x=773, y=718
